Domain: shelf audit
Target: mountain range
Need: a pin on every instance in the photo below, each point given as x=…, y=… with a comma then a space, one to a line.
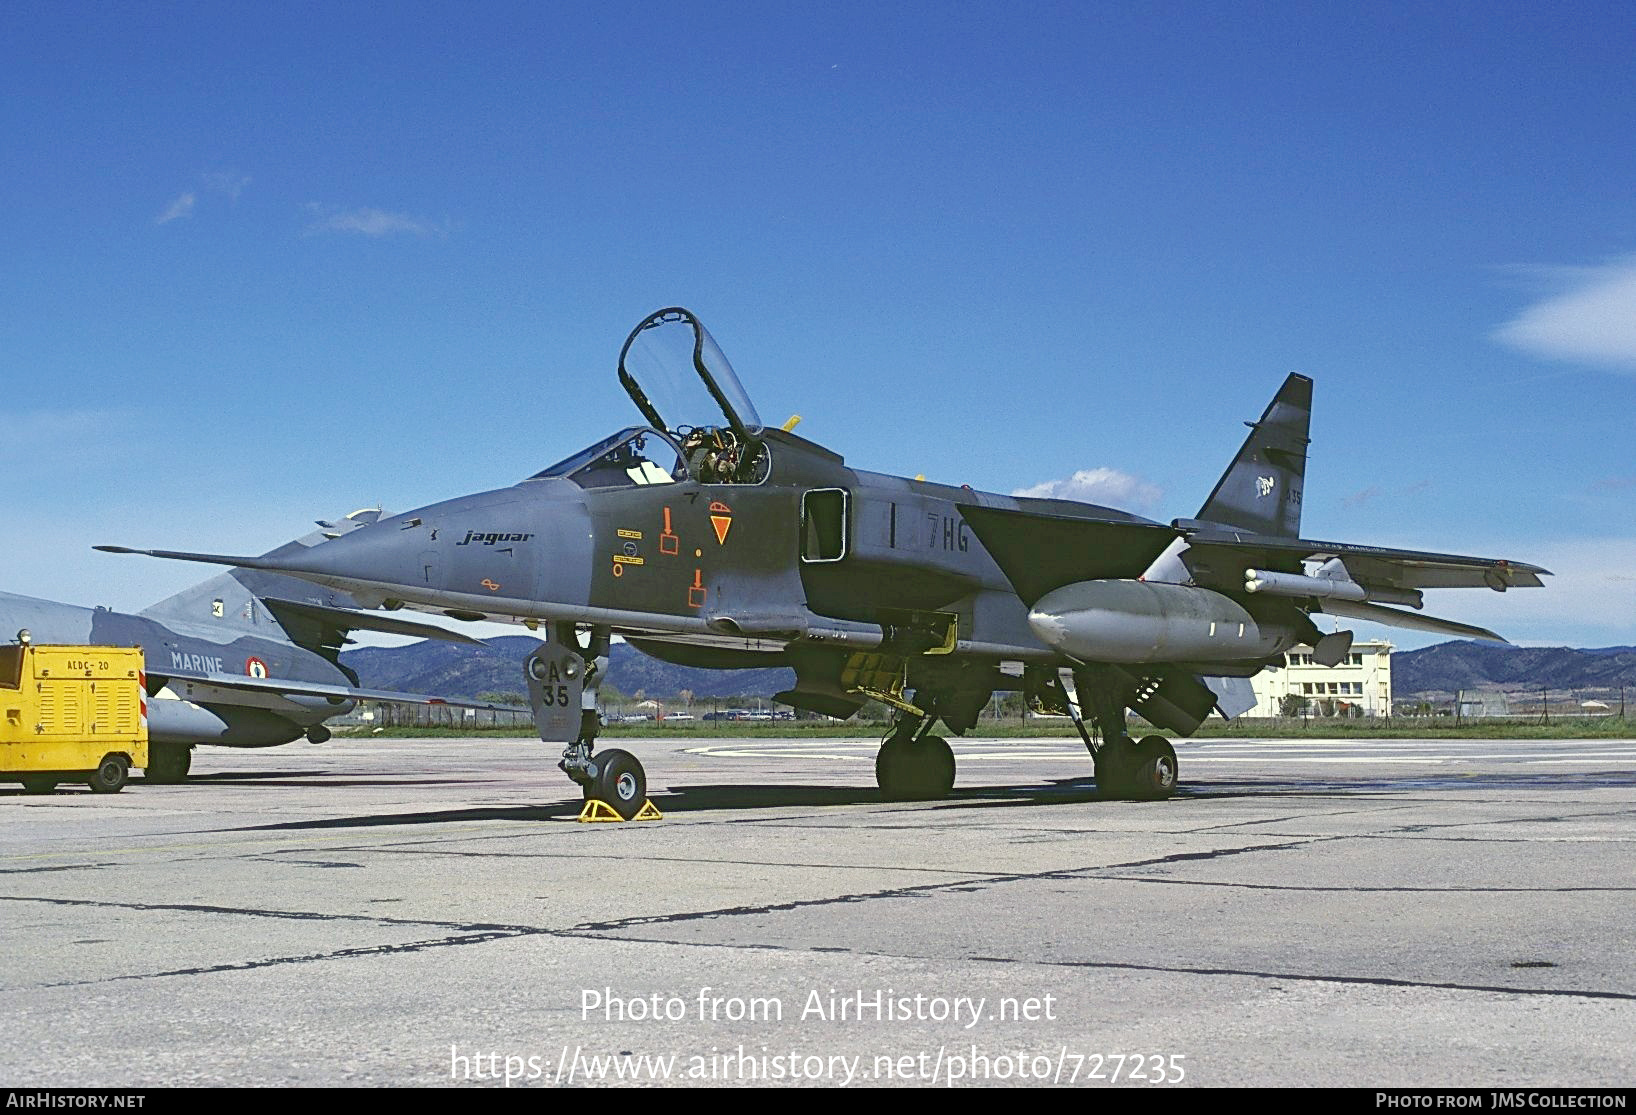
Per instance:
x=1448, y=667
x=453, y=670
x=458, y=670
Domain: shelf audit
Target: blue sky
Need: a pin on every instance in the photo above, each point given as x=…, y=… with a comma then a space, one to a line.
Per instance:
x=266, y=263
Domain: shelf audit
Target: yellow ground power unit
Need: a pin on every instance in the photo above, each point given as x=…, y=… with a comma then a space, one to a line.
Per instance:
x=71, y=714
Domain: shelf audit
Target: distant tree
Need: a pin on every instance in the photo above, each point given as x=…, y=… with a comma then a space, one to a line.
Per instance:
x=1291, y=705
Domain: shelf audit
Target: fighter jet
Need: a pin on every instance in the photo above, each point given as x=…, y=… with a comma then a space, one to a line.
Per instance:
x=707, y=538
x=245, y=659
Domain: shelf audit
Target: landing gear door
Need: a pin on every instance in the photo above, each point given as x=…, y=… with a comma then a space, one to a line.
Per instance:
x=677, y=376
x=556, y=678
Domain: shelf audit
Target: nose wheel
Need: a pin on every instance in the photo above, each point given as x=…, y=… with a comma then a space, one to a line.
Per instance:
x=618, y=781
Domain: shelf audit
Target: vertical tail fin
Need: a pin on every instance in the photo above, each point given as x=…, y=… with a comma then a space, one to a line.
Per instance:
x=1261, y=489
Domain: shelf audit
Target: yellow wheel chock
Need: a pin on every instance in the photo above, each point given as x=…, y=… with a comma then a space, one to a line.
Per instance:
x=597, y=811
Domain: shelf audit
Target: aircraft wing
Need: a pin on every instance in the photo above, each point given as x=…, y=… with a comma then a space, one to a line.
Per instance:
x=338, y=693
x=1040, y=552
x=1371, y=566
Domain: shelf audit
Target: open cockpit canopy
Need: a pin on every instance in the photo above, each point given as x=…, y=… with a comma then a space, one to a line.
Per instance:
x=680, y=381
x=677, y=376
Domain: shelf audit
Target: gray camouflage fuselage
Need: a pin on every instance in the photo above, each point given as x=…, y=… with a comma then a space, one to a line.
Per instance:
x=736, y=545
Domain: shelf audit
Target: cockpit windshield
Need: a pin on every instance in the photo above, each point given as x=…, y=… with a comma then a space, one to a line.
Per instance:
x=677, y=376
x=635, y=455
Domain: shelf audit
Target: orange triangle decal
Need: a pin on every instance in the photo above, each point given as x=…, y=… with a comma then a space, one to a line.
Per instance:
x=722, y=523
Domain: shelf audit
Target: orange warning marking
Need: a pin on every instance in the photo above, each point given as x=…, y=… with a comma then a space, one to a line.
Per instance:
x=721, y=517
x=695, y=595
x=668, y=542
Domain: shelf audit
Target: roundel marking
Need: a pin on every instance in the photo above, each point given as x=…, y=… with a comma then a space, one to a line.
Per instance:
x=255, y=667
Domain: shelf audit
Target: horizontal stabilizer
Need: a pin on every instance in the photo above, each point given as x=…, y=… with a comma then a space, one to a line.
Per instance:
x=348, y=620
x=1392, y=617
x=1038, y=553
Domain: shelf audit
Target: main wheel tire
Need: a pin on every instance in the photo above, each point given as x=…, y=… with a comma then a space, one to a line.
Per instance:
x=891, y=767
x=621, y=782
x=1115, y=763
x=907, y=769
x=934, y=769
x=34, y=784
x=110, y=775
x=1153, y=777
x=168, y=763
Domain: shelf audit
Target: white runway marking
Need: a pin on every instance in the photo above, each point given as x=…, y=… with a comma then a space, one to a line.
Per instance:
x=1259, y=752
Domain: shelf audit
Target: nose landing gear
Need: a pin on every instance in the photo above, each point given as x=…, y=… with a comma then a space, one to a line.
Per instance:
x=564, y=680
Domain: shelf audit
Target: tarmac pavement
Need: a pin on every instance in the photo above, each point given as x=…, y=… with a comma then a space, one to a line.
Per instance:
x=428, y=912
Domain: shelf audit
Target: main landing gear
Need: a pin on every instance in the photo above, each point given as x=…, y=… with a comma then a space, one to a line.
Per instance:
x=168, y=763
x=913, y=764
x=1134, y=770
x=564, y=679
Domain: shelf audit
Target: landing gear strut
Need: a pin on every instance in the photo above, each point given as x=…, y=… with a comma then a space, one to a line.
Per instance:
x=1128, y=769
x=912, y=764
x=564, y=680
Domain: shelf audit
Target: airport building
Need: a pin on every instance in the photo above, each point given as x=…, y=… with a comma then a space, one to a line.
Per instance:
x=1361, y=685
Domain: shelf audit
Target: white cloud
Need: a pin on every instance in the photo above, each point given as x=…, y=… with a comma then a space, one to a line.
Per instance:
x=227, y=182
x=31, y=432
x=1592, y=321
x=176, y=210
x=1106, y=486
x=370, y=222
